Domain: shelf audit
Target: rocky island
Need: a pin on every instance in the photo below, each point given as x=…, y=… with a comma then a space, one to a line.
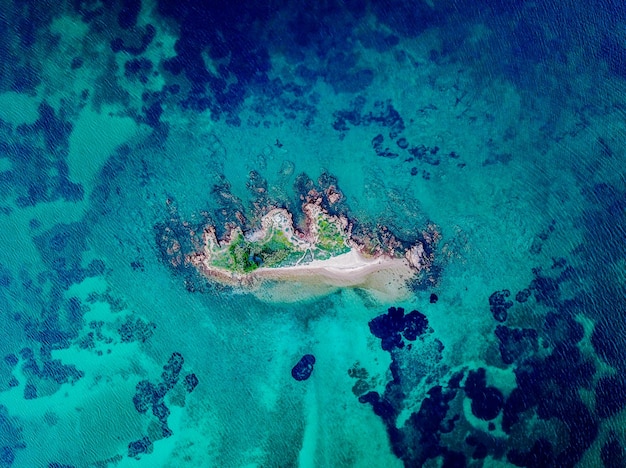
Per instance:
x=281, y=253
x=323, y=256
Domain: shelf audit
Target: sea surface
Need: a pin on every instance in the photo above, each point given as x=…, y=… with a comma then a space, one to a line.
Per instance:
x=498, y=127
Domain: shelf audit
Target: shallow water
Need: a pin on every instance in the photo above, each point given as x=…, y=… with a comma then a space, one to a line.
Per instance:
x=499, y=125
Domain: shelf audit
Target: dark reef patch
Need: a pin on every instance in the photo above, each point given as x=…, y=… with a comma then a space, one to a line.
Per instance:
x=388, y=127
x=129, y=11
x=11, y=437
x=613, y=453
x=551, y=371
x=516, y=343
x=226, y=32
x=487, y=403
x=134, y=44
x=383, y=115
x=135, y=329
x=191, y=381
x=390, y=327
x=38, y=153
x=523, y=295
x=138, y=447
x=303, y=368
x=610, y=395
x=150, y=398
x=61, y=250
x=499, y=304
x=419, y=439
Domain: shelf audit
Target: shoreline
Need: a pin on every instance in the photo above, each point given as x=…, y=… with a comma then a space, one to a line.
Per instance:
x=254, y=262
x=348, y=269
x=383, y=276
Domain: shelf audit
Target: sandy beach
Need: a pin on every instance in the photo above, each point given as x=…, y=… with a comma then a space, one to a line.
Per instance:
x=383, y=276
x=346, y=270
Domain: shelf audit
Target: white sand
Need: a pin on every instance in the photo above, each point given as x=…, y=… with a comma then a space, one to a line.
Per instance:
x=348, y=269
x=383, y=276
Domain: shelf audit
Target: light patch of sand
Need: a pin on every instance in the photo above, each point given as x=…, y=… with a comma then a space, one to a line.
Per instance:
x=92, y=141
x=383, y=276
x=18, y=108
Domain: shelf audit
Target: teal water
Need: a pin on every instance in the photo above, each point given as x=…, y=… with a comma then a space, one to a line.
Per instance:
x=499, y=125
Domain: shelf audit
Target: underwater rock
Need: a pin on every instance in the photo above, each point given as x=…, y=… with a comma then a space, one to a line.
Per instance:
x=516, y=343
x=145, y=396
x=421, y=436
x=127, y=16
x=161, y=411
x=135, y=329
x=191, y=381
x=452, y=459
x=60, y=373
x=540, y=454
x=389, y=326
x=476, y=382
x=303, y=369
x=377, y=144
x=487, y=404
x=546, y=289
x=11, y=359
x=7, y=456
x=381, y=406
x=523, y=295
x=415, y=324
x=498, y=304
x=30, y=391
x=610, y=396
x=172, y=369
x=383, y=114
x=612, y=453
x=481, y=451
x=139, y=446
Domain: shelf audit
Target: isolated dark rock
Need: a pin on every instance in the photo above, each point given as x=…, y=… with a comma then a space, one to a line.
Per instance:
x=303, y=369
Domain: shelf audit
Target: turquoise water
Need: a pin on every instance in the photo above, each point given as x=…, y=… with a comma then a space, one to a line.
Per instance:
x=499, y=125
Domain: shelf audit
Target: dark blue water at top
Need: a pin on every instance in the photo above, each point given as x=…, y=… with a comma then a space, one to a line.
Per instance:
x=491, y=131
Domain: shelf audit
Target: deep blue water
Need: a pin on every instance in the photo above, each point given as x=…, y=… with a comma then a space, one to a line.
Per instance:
x=128, y=126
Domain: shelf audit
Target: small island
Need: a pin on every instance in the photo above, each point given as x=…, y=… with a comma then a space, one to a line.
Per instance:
x=323, y=256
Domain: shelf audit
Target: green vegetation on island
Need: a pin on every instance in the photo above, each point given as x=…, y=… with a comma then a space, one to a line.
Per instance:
x=277, y=246
x=331, y=241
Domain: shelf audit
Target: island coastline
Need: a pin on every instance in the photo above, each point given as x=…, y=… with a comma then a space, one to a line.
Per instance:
x=326, y=261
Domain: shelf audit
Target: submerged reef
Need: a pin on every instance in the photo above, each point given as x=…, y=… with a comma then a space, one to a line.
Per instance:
x=539, y=399
x=155, y=397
